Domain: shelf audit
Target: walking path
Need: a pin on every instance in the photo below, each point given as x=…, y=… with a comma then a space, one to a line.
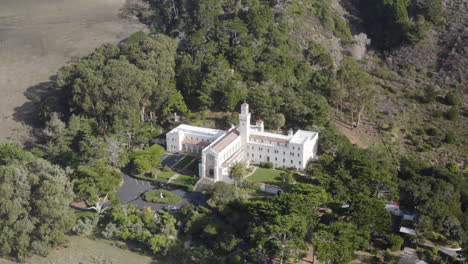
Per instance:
x=173, y=177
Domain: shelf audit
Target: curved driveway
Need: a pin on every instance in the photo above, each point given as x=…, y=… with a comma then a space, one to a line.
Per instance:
x=132, y=190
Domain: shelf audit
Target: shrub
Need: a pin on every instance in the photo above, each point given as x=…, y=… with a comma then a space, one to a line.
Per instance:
x=453, y=98
x=430, y=95
x=288, y=177
x=432, y=131
x=141, y=165
x=437, y=114
x=266, y=165
x=452, y=114
x=154, y=196
x=85, y=225
x=395, y=242
x=166, y=169
x=389, y=257
x=449, y=137
x=109, y=231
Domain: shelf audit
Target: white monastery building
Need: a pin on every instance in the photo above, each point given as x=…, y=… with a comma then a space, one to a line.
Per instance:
x=246, y=143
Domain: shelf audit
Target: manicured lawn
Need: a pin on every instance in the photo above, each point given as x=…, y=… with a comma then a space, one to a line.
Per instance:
x=154, y=196
x=166, y=175
x=266, y=176
x=186, y=179
x=186, y=160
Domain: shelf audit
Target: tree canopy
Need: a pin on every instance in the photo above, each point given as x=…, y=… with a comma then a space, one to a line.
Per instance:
x=34, y=212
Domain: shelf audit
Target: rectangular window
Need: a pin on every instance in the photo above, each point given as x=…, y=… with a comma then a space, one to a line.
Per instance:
x=299, y=163
x=291, y=161
x=276, y=159
x=284, y=160
x=260, y=156
x=293, y=147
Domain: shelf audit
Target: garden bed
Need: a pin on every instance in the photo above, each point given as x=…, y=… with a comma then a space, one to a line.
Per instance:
x=154, y=196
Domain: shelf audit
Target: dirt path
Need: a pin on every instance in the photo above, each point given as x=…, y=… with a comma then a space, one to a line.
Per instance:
x=39, y=36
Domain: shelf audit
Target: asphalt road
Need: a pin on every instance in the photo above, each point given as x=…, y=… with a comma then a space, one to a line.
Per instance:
x=132, y=190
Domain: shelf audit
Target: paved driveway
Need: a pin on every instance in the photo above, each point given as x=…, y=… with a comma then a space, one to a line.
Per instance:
x=132, y=190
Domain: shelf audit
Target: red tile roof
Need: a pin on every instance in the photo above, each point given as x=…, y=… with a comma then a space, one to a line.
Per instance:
x=226, y=140
x=194, y=142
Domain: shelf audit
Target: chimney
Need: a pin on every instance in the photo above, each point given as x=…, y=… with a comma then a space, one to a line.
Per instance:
x=290, y=133
x=259, y=124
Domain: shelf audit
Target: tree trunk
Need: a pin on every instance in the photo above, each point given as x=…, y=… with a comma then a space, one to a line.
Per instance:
x=99, y=204
x=361, y=111
x=142, y=114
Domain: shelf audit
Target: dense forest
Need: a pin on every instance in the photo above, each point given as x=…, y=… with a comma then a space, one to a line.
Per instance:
x=201, y=58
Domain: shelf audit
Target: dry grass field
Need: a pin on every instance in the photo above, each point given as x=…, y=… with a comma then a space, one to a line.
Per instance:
x=82, y=250
x=39, y=36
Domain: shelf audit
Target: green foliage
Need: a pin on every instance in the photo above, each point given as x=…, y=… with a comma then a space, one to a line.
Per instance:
x=116, y=85
x=96, y=180
x=356, y=87
x=84, y=225
x=450, y=137
x=161, y=196
x=34, y=212
x=436, y=195
x=453, y=98
x=370, y=214
x=338, y=242
x=395, y=242
x=288, y=177
x=388, y=21
x=220, y=194
x=452, y=114
x=430, y=95
x=279, y=225
x=145, y=160
x=141, y=165
x=354, y=171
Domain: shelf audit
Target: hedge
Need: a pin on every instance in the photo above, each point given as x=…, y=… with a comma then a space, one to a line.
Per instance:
x=154, y=196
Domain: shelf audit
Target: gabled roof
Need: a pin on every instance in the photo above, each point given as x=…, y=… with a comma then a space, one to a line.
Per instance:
x=226, y=140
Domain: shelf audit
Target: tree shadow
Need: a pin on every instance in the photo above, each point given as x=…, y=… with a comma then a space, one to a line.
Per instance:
x=32, y=115
x=28, y=113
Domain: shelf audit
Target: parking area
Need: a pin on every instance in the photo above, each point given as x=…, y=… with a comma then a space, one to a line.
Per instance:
x=170, y=160
x=132, y=190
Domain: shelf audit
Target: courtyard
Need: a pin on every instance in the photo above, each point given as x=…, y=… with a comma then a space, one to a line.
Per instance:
x=134, y=186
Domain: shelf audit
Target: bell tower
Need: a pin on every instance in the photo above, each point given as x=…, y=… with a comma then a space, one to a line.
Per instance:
x=244, y=123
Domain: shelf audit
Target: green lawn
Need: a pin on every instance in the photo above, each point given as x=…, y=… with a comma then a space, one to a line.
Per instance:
x=186, y=160
x=266, y=176
x=185, y=181
x=166, y=175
